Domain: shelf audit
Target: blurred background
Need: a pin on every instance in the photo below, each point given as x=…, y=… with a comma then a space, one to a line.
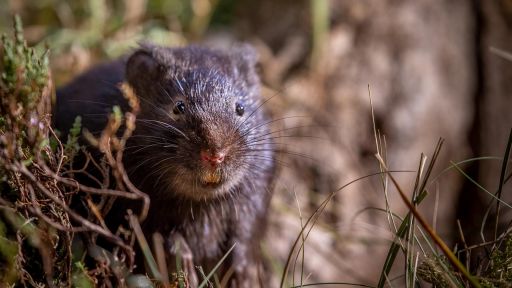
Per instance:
x=435, y=69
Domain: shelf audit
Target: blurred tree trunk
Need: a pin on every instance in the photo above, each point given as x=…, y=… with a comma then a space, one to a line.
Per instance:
x=419, y=59
x=493, y=119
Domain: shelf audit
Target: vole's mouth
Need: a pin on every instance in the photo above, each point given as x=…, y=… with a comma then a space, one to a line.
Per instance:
x=210, y=184
x=211, y=178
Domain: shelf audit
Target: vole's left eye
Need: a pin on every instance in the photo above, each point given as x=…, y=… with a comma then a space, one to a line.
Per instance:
x=179, y=108
x=240, y=109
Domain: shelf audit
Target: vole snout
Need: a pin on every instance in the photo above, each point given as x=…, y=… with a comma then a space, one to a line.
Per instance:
x=212, y=158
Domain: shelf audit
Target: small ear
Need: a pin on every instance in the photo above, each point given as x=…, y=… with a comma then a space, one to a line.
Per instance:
x=245, y=59
x=246, y=53
x=141, y=68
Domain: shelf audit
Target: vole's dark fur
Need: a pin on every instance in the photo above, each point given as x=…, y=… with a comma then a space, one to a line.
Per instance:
x=163, y=157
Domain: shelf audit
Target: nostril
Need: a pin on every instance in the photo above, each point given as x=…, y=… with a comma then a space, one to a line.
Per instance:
x=219, y=157
x=212, y=158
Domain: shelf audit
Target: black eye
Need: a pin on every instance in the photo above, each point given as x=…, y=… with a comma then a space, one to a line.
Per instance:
x=240, y=109
x=179, y=108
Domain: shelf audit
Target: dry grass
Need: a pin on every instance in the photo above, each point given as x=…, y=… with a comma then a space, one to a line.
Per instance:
x=428, y=259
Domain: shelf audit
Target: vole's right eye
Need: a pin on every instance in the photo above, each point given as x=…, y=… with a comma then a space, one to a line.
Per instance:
x=179, y=107
x=240, y=109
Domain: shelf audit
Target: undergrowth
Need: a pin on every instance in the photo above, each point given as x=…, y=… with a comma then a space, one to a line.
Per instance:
x=428, y=259
x=37, y=223
x=39, y=228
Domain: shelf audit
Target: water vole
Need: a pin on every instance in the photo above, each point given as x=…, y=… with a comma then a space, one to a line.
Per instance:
x=201, y=149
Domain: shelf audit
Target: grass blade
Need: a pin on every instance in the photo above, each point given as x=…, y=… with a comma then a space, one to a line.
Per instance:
x=150, y=260
x=314, y=217
x=440, y=243
x=480, y=186
x=504, y=167
x=205, y=280
x=395, y=246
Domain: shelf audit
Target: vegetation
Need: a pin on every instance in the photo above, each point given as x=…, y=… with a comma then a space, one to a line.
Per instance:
x=427, y=256
x=38, y=225
x=39, y=243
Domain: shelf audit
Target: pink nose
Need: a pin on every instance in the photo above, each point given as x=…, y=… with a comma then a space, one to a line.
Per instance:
x=213, y=159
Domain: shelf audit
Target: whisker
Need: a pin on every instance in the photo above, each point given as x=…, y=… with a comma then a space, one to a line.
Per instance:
x=166, y=113
x=156, y=170
x=250, y=129
x=293, y=153
x=286, y=129
x=143, y=147
x=255, y=110
x=164, y=171
x=286, y=136
x=133, y=169
x=145, y=136
x=165, y=92
x=164, y=124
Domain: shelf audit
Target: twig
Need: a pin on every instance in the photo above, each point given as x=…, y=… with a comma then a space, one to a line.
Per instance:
x=85, y=223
